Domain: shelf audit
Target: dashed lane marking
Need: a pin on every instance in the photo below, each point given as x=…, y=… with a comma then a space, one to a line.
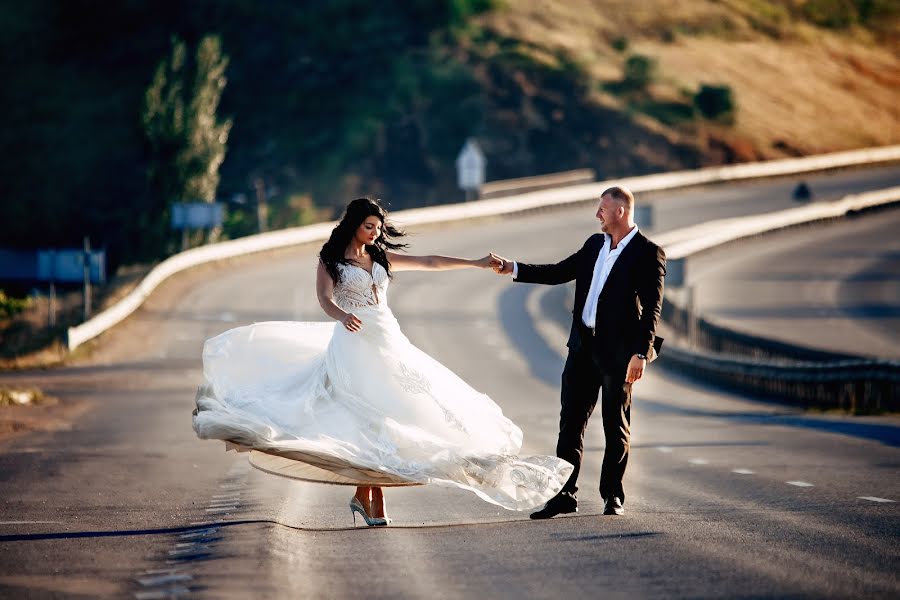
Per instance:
x=799, y=483
x=664, y=449
x=743, y=471
x=173, y=592
x=875, y=499
x=698, y=461
x=164, y=579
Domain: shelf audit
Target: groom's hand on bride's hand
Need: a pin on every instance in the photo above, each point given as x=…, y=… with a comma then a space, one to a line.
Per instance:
x=351, y=322
x=501, y=266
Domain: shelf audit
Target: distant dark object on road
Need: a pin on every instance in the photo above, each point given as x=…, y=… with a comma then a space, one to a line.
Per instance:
x=802, y=192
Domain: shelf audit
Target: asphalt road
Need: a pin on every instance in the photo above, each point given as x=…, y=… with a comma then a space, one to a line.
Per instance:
x=727, y=497
x=833, y=286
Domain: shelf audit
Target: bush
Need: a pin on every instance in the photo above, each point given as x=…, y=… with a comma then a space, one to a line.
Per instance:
x=639, y=72
x=12, y=306
x=670, y=113
x=620, y=44
x=834, y=14
x=715, y=102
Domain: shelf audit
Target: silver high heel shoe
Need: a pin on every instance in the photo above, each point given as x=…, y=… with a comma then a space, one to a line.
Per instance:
x=357, y=507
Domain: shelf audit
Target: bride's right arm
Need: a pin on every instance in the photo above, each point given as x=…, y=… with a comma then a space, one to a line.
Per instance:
x=325, y=294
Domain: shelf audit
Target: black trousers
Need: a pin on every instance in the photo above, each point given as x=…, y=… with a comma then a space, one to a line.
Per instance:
x=582, y=381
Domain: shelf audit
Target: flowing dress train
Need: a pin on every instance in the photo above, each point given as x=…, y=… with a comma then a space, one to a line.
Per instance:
x=319, y=402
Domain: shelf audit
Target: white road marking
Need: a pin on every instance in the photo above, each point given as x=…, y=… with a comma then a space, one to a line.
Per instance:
x=665, y=449
x=875, y=499
x=220, y=511
x=698, y=461
x=799, y=483
x=169, y=571
x=163, y=579
x=228, y=317
x=208, y=522
x=166, y=593
x=198, y=534
x=223, y=504
x=191, y=550
x=743, y=471
x=493, y=340
x=505, y=355
x=230, y=495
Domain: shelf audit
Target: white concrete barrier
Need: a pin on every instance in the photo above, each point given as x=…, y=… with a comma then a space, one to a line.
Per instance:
x=684, y=242
x=472, y=210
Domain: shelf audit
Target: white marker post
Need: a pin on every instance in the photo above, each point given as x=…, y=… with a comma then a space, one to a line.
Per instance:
x=470, y=167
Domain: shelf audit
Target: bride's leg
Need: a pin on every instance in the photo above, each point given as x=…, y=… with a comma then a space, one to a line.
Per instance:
x=364, y=495
x=377, y=502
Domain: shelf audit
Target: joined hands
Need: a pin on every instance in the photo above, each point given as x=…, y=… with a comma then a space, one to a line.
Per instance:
x=500, y=265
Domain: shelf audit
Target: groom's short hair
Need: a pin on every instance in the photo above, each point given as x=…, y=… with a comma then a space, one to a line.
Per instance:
x=621, y=194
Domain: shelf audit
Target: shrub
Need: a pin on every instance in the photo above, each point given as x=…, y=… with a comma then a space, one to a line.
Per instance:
x=620, y=44
x=640, y=71
x=670, y=113
x=834, y=14
x=715, y=102
x=12, y=306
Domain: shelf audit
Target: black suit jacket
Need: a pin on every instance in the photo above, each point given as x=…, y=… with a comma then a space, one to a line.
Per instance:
x=629, y=304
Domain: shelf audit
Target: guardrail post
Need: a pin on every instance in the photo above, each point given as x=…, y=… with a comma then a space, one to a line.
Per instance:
x=643, y=216
x=675, y=272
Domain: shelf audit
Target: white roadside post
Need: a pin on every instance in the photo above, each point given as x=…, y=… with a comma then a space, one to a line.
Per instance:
x=643, y=216
x=470, y=167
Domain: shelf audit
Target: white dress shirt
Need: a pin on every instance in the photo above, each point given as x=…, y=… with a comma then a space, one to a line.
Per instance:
x=605, y=261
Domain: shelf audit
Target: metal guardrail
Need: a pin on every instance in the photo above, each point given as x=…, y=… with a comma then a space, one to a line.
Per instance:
x=510, y=187
x=858, y=386
x=472, y=210
x=803, y=376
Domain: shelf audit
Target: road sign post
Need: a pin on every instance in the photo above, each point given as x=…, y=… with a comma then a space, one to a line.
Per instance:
x=86, y=270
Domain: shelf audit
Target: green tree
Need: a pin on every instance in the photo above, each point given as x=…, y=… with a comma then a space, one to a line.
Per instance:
x=186, y=140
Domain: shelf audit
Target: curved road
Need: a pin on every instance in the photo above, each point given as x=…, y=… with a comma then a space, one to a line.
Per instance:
x=727, y=497
x=832, y=286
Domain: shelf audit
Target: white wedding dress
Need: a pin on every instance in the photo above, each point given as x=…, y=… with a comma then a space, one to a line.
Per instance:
x=318, y=402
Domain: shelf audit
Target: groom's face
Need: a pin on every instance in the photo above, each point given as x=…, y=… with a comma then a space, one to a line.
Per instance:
x=609, y=213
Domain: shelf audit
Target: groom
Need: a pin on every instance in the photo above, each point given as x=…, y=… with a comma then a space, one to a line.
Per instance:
x=618, y=295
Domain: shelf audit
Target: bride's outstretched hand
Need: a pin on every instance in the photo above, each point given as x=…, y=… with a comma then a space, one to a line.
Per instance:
x=488, y=262
x=351, y=322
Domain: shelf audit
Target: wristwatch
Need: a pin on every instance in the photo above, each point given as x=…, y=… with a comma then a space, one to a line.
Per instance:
x=641, y=356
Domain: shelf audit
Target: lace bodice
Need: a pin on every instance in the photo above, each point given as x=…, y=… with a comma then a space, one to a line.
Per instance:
x=358, y=289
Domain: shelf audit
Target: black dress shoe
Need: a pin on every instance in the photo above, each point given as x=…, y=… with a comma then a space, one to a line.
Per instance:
x=613, y=506
x=558, y=505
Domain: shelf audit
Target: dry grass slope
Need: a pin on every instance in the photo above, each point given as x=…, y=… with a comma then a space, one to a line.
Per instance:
x=799, y=89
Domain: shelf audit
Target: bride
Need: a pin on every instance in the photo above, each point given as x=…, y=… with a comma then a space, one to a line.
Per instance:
x=353, y=401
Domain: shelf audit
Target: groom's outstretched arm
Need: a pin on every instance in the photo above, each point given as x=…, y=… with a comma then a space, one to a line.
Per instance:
x=548, y=274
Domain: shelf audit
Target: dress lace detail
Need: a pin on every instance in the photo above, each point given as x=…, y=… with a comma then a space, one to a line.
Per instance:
x=358, y=288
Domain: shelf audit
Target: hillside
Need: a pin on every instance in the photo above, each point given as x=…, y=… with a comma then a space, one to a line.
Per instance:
x=332, y=100
x=800, y=87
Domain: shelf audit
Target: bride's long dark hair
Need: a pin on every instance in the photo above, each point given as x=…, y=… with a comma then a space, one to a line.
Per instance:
x=332, y=253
